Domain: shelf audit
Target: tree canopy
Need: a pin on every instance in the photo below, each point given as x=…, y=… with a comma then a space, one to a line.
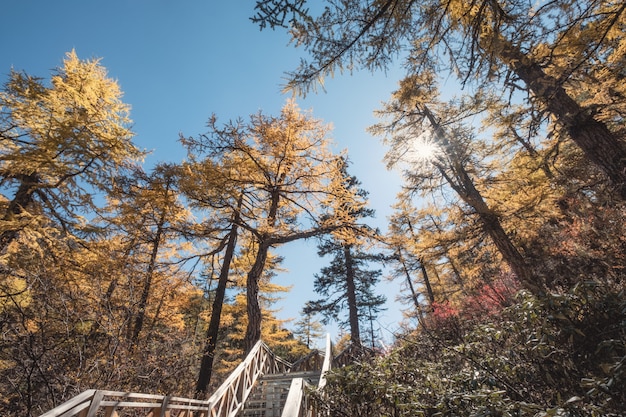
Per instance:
x=536, y=52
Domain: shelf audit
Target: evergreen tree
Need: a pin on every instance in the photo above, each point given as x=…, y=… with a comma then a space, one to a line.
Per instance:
x=61, y=146
x=408, y=261
x=208, y=180
x=307, y=328
x=285, y=172
x=347, y=283
x=456, y=160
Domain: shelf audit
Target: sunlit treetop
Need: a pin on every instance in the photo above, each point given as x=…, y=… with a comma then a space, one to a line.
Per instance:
x=62, y=143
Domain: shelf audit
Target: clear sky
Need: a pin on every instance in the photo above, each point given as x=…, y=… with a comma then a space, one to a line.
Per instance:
x=180, y=61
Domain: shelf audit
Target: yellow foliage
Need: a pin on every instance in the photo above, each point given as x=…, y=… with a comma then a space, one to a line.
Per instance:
x=14, y=293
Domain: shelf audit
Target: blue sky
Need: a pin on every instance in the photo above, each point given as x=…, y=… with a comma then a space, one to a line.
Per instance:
x=179, y=62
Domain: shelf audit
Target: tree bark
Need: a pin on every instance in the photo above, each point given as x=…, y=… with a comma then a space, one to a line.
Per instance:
x=429, y=288
x=22, y=199
x=353, y=312
x=493, y=228
x=206, y=365
x=147, y=285
x=464, y=186
x=601, y=146
x=253, y=330
x=409, y=283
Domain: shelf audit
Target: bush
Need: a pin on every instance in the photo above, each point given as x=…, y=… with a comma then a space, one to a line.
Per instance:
x=561, y=354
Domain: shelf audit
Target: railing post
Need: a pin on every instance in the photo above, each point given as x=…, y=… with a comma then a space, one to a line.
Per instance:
x=327, y=364
x=164, y=412
x=95, y=403
x=294, y=398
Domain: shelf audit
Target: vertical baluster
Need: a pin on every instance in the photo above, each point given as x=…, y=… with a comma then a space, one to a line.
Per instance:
x=95, y=403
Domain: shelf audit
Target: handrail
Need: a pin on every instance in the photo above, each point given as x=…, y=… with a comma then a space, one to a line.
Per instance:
x=297, y=403
x=311, y=362
x=74, y=405
x=230, y=397
x=227, y=400
x=328, y=362
x=87, y=404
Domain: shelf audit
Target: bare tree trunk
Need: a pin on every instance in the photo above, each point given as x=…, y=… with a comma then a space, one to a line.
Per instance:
x=353, y=313
x=253, y=330
x=409, y=283
x=429, y=288
x=21, y=200
x=147, y=285
x=206, y=366
x=601, y=146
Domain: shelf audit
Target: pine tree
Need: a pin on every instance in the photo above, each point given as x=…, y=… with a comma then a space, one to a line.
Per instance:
x=409, y=262
x=346, y=283
x=456, y=161
x=146, y=208
x=284, y=171
x=62, y=144
x=307, y=328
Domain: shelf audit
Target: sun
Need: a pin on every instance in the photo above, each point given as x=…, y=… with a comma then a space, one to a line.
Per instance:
x=426, y=150
x=423, y=149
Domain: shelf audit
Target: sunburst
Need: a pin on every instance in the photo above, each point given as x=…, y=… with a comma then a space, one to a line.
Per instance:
x=422, y=149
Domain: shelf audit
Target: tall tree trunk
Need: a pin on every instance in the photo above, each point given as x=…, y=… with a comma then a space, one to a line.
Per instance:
x=147, y=285
x=353, y=312
x=371, y=319
x=429, y=288
x=464, y=186
x=601, y=146
x=493, y=228
x=409, y=283
x=22, y=199
x=253, y=330
x=206, y=365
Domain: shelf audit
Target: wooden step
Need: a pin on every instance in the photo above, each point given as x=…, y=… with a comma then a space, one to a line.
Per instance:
x=267, y=399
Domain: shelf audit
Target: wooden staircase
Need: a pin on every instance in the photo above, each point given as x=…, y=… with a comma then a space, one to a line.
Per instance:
x=268, y=397
x=263, y=385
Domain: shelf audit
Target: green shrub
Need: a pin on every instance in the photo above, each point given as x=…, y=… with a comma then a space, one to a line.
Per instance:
x=562, y=354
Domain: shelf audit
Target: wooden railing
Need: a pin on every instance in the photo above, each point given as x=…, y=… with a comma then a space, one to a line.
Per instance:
x=350, y=354
x=225, y=402
x=114, y=403
x=311, y=362
x=231, y=395
x=328, y=362
x=297, y=403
